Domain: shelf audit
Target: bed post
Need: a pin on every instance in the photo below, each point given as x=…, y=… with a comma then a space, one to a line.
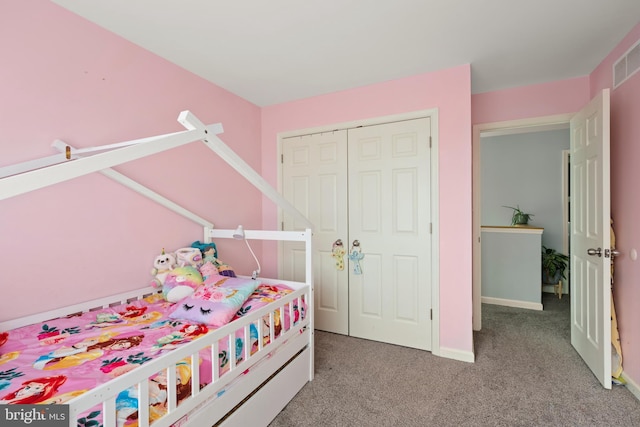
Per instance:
x=207, y=234
x=310, y=303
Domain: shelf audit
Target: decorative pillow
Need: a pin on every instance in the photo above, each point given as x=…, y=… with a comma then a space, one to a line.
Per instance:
x=215, y=303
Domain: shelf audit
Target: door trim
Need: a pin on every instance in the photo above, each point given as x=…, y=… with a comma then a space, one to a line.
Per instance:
x=532, y=124
x=435, y=197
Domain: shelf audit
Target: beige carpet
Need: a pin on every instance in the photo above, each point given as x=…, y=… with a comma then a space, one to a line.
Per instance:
x=526, y=374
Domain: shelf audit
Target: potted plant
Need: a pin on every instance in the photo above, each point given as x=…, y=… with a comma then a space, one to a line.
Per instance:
x=519, y=218
x=554, y=265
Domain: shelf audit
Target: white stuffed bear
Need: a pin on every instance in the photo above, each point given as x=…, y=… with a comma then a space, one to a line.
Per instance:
x=162, y=265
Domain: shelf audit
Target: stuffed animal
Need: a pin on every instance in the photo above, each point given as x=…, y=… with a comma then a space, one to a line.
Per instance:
x=210, y=255
x=208, y=269
x=225, y=269
x=205, y=247
x=211, y=264
x=162, y=265
x=189, y=256
x=180, y=283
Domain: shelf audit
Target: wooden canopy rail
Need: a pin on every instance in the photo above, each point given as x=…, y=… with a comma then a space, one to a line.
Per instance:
x=72, y=163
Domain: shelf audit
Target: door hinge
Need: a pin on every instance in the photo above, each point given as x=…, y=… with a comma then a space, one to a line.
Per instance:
x=429, y=141
x=431, y=313
x=282, y=158
x=430, y=228
x=282, y=226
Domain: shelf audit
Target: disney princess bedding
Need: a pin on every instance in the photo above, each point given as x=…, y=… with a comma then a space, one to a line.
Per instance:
x=54, y=361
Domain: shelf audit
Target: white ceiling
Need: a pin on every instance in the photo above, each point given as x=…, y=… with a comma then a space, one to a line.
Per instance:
x=269, y=52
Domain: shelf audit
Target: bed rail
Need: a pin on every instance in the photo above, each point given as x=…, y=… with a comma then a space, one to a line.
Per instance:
x=106, y=394
x=82, y=307
x=292, y=328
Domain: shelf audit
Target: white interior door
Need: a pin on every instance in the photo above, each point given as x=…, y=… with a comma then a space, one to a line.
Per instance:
x=314, y=180
x=590, y=237
x=389, y=216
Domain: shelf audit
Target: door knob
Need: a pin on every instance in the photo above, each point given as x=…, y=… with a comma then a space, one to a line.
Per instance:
x=592, y=251
x=614, y=253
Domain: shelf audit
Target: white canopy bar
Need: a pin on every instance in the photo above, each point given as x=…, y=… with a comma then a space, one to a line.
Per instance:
x=139, y=188
x=28, y=176
x=30, y=165
x=236, y=162
x=32, y=180
x=126, y=143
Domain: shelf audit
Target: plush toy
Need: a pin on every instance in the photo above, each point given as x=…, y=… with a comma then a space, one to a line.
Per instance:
x=205, y=247
x=211, y=264
x=189, y=256
x=208, y=269
x=210, y=255
x=225, y=269
x=162, y=265
x=180, y=283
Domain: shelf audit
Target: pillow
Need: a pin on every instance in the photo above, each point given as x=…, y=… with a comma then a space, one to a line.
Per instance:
x=215, y=303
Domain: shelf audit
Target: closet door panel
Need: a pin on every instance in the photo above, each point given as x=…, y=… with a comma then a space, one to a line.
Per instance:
x=405, y=203
x=389, y=216
x=406, y=287
x=369, y=210
x=315, y=180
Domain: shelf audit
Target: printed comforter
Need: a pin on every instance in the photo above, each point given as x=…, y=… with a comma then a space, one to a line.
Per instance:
x=54, y=361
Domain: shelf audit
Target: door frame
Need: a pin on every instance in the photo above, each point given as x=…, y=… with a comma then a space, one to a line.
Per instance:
x=435, y=197
x=533, y=124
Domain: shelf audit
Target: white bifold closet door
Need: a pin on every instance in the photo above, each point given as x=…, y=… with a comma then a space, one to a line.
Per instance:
x=368, y=184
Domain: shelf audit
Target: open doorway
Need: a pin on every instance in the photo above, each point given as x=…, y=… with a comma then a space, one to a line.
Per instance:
x=497, y=129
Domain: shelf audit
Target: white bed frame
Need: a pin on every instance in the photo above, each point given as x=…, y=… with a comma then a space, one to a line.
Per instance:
x=279, y=369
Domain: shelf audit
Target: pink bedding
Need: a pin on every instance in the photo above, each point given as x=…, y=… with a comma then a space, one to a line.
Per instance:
x=54, y=361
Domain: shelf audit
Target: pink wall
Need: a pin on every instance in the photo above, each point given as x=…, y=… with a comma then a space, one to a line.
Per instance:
x=449, y=91
x=65, y=78
x=546, y=99
x=625, y=205
x=71, y=80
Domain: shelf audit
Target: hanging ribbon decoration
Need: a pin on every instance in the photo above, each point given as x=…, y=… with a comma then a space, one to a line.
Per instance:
x=337, y=252
x=616, y=359
x=355, y=255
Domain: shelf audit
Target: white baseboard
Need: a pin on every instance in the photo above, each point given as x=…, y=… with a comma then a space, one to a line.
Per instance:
x=512, y=303
x=633, y=386
x=463, y=356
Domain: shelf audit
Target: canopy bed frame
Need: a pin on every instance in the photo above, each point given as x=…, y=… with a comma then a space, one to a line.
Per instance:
x=260, y=382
